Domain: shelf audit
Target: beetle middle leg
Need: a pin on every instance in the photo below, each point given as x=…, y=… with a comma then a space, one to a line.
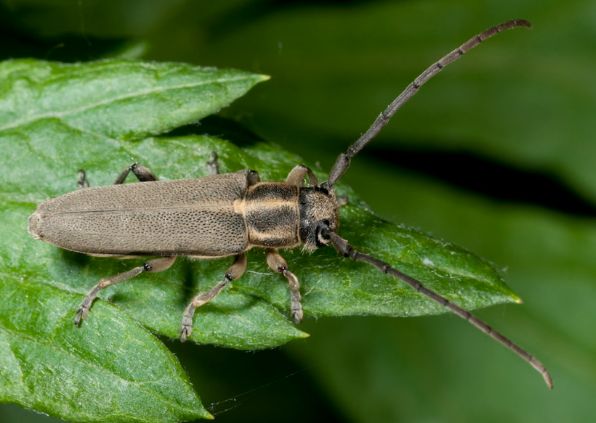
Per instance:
x=278, y=264
x=154, y=266
x=213, y=164
x=235, y=271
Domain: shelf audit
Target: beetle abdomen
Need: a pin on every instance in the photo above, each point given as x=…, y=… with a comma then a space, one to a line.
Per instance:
x=188, y=217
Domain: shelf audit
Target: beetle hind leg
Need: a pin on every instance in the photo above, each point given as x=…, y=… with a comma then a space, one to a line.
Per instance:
x=156, y=265
x=278, y=264
x=141, y=172
x=235, y=271
x=82, y=182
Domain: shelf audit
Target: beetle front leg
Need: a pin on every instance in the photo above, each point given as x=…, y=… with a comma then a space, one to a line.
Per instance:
x=141, y=172
x=235, y=271
x=278, y=264
x=156, y=265
x=297, y=174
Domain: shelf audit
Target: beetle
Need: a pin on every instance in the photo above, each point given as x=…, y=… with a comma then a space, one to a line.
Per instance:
x=224, y=215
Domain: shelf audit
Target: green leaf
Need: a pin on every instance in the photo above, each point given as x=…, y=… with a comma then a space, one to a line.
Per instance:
x=114, y=98
x=114, y=370
x=55, y=119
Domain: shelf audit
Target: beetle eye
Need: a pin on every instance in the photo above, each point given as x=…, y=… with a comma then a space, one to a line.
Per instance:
x=322, y=233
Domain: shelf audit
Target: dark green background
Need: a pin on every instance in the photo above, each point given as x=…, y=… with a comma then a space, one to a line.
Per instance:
x=497, y=154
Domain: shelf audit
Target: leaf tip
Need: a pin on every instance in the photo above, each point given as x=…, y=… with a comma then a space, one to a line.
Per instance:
x=263, y=78
x=303, y=335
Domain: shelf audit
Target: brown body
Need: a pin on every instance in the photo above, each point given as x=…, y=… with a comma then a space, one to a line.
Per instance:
x=226, y=215
x=215, y=216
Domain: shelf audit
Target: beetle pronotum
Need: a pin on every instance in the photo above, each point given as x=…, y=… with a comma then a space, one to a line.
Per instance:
x=227, y=214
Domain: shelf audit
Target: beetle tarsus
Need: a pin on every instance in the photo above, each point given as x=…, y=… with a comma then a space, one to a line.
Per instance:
x=198, y=301
x=141, y=172
x=297, y=312
x=278, y=264
x=80, y=316
x=213, y=164
x=85, y=306
x=186, y=329
x=82, y=182
x=235, y=271
x=155, y=265
x=295, y=297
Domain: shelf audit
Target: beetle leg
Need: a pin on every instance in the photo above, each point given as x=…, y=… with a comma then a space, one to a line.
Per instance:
x=278, y=264
x=141, y=172
x=213, y=164
x=235, y=271
x=156, y=265
x=252, y=177
x=297, y=174
x=83, y=182
x=343, y=200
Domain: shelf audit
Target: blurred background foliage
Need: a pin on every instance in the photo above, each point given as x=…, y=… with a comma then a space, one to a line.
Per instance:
x=497, y=154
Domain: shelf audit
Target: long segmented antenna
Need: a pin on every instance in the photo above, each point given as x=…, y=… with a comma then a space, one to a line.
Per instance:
x=343, y=160
x=344, y=248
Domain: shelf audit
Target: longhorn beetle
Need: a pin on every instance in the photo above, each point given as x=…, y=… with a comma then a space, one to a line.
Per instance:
x=226, y=215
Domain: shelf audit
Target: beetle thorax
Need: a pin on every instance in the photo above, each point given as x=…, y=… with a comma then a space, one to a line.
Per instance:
x=271, y=214
x=318, y=209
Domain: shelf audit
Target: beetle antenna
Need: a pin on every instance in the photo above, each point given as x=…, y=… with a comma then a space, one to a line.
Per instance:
x=344, y=248
x=343, y=160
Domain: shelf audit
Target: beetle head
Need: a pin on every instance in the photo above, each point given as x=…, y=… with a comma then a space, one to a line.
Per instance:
x=318, y=212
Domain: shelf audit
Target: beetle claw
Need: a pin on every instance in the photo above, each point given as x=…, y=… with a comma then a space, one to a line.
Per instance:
x=185, y=333
x=297, y=315
x=186, y=330
x=80, y=316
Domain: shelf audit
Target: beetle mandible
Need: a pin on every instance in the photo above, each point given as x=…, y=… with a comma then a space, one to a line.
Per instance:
x=226, y=215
